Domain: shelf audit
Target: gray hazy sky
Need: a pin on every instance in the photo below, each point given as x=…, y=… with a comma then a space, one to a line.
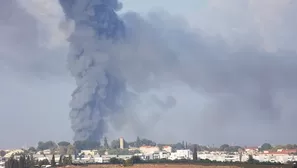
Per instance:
x=36, y=86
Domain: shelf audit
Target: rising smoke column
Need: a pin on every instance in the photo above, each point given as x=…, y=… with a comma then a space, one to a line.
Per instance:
x=97, y=27
x=241, y=89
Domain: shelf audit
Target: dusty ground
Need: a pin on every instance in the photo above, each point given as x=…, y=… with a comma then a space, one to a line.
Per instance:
x=154, y=166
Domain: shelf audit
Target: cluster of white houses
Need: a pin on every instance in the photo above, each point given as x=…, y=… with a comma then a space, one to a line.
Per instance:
x=154, y=152
x=92, y=156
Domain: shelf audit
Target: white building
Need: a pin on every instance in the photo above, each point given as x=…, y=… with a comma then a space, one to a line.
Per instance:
x=167, y=149
x=13, y=152
x=181, y=154
x=159, y=155
x=251, y=150
x=141, y=156
x=2, y=164
x=280, y=156
x=186, y=153
x=88, y=152
x=47, y=152
x=98, y=159
x=39, y=157
x=149, y=149
x=101, y=158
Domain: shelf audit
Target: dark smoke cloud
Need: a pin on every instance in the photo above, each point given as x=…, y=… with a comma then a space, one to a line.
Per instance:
x=246, y=86
x=165, y=80
x=248, y=83
x=97, y=96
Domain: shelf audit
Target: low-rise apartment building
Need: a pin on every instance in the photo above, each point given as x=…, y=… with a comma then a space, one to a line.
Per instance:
x=181, y=154
x=149, y=149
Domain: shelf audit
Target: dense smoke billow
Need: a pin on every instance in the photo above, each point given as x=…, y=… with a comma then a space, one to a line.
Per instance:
x=249, y=83
x=150, y=75
x=240, y=88
x=98, y=93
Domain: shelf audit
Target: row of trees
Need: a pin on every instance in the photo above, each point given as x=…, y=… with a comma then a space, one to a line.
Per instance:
x=89, y=145
x=249, y=163
x=64, y=148
x=26, y=161
x=67, y=148
x=265, y=146
x=23, y=162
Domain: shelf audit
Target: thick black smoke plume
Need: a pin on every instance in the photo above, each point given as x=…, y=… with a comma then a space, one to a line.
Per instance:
x=97, y=27
x=236, y=85
x=227, y=86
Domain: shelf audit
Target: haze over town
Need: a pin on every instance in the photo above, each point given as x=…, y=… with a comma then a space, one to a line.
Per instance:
x=207, y=72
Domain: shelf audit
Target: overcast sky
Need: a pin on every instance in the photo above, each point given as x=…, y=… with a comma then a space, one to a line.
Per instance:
x=36, y=86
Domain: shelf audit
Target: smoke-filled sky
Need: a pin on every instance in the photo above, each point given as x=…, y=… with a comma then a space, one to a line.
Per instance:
x=230, y=71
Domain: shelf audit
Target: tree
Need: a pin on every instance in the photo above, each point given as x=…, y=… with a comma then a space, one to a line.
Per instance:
x=46, y=145
x=101, y=151
x=115, y=144
x=106, y=146
x=266, y=146
x=44, y=162
x=147, y=142
x=240, y=151
x=62, y=150
x=290, y=146
x=252, y=160
x=12, y=163
x=86, y=145
x=22, y=162
x=138, y=142
x=70, y=150
x=64, y=143
x=141, y=142
x=195, y=157
x=30, y=161
x=2, y=153
x=53, y=161
x=177, y=146
x=119, y=152
x=224, y=147
x=234, y=148
x=128, y=163
x=69, y=159
x=32, y=150
x=61, y=160
x=115, y=161
x=136, y=159
x=228, y=148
